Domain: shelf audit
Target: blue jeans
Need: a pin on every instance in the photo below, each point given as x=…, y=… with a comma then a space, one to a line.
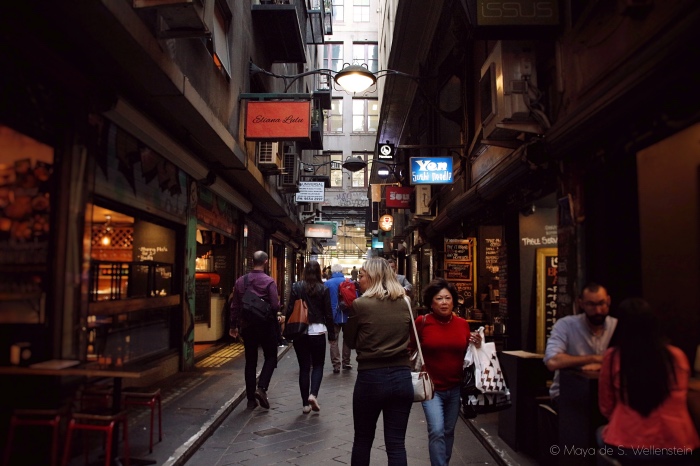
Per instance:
x=311, y=352
x=254, y=336
x=388, y=391
x=441, y=414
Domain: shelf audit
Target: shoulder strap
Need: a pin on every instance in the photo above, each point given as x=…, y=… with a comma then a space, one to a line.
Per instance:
x=415, y=331
x=245, y=282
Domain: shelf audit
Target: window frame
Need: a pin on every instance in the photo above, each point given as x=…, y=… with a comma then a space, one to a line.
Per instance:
x=331, y=117
x=365, y=115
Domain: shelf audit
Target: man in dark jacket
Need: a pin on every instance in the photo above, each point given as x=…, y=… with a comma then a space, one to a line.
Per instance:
x=256, y=333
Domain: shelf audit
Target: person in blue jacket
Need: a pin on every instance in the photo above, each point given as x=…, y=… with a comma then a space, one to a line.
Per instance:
x=340, y=318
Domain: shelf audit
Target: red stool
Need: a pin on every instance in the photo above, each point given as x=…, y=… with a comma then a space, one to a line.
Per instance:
x=100, y=423
x=35, y=417
x=137, y=398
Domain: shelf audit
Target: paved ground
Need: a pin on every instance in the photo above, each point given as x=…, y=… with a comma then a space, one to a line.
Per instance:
x=205, y=422
x=284, y=435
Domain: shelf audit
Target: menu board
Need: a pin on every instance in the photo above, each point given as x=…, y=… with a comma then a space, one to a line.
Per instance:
x=458, y=250
x=503, y=281
x=460, y=258
x=458, y=271
x=465, y=291
x=202, y=300
x=547, y=262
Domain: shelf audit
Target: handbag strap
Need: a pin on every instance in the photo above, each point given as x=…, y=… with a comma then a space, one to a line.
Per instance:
x=415, y=331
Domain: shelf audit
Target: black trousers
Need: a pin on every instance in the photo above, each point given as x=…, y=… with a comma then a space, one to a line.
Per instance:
x=254, y=336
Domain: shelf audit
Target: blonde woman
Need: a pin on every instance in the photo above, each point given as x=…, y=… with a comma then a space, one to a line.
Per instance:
x=378, y=329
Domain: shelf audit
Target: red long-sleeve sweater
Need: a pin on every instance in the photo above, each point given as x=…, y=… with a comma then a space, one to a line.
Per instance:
x=444, y=346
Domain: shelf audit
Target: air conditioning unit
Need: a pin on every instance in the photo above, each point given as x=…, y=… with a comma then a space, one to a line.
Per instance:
x=308, y=208
x=506, y=78
x=288, y=180
x=268, y=156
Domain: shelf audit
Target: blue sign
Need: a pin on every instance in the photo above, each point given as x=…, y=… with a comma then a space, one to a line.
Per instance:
x=431, y=170
x=376, y=244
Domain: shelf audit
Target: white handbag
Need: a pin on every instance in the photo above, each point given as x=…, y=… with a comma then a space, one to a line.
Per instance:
x=423, y=388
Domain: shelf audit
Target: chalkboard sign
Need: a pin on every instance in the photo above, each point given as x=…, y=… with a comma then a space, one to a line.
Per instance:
x=546, y=294
x=458, y=271
x=491, y=250
x=465, y=291
x=202, y=300
x=459, y=249
x=220, y=263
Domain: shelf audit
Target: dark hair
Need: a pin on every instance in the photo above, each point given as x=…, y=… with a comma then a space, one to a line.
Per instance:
x=646, y=365
x=312, y=278
x=434, y=288
x=591, y=287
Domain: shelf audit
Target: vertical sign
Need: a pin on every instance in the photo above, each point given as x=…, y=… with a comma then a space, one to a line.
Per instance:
x=546, y=294
x=460, y=257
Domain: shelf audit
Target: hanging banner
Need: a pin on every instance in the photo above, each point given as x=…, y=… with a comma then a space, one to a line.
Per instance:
x=274, y=121
x=398, y=197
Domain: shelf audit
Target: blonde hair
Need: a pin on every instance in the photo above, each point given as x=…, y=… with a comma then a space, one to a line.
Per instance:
x=382, y=280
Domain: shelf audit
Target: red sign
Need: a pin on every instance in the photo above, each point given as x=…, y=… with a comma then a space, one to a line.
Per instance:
x=276, y=121
x=398, y=197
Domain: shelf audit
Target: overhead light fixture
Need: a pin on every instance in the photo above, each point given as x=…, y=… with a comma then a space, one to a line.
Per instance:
x=352, y=164
x=352, y=78
x=106, y=239
x=383, y=172
x=355, y=78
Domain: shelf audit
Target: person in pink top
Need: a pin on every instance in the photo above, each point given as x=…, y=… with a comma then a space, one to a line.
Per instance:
x=642, y=390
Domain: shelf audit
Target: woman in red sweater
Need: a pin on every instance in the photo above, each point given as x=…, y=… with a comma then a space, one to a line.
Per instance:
x=643, y=389
x=444, y=338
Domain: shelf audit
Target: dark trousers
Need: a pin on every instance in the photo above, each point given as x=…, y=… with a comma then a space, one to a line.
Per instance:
x=254, y=336
x=311, y=352
x=387, y=391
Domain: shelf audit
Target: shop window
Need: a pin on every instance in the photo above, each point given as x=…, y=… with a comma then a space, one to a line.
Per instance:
x=26, y=176
x=132, y=293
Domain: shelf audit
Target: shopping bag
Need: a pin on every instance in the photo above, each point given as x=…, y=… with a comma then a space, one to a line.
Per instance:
x=484, y=387
x=487, y=370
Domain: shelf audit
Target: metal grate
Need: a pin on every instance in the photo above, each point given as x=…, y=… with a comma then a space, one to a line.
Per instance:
x=121, y=237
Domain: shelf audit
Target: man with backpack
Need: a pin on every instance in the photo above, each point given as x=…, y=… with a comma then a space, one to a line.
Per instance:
x=340, y=308
x=253, y=313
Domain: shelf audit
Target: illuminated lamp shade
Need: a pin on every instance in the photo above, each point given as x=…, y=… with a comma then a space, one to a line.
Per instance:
x=355, y=78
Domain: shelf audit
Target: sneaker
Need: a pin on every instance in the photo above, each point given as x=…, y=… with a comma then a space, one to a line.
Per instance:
x=314, y=403
x=261, y=396
x=336, y=370
x=306, y=410
x=347, y=366
x=252, y=404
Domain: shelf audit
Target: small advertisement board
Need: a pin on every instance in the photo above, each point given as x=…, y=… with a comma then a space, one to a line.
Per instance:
x=310, y=191
x=274, y=121
x=431, y=170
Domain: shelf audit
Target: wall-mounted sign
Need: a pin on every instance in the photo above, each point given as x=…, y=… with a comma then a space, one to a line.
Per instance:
x=385, y=151
x=377, y=243
x=517, y=12
x=289, y=121
x=431, y=170
x=398, y=197
x=318, y=230
x=310, y=191
x=386, y=222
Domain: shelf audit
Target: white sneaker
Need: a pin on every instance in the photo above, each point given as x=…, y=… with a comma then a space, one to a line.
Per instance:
x=314, y=403
x=306, y=410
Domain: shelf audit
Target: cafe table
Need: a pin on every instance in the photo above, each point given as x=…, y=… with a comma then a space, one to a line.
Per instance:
x=63, y=368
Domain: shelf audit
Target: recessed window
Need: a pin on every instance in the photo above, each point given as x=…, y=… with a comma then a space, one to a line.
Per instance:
x=366, y=53
x=220, y=39
x=360, y=11
x=365, y=115
x=334, y=120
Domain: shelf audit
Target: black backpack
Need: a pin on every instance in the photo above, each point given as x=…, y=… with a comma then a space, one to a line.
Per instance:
x=255, y=308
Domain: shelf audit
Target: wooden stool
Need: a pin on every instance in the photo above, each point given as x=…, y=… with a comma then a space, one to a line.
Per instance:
x=35, y=417
x=138, y=398
x=100, y=423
